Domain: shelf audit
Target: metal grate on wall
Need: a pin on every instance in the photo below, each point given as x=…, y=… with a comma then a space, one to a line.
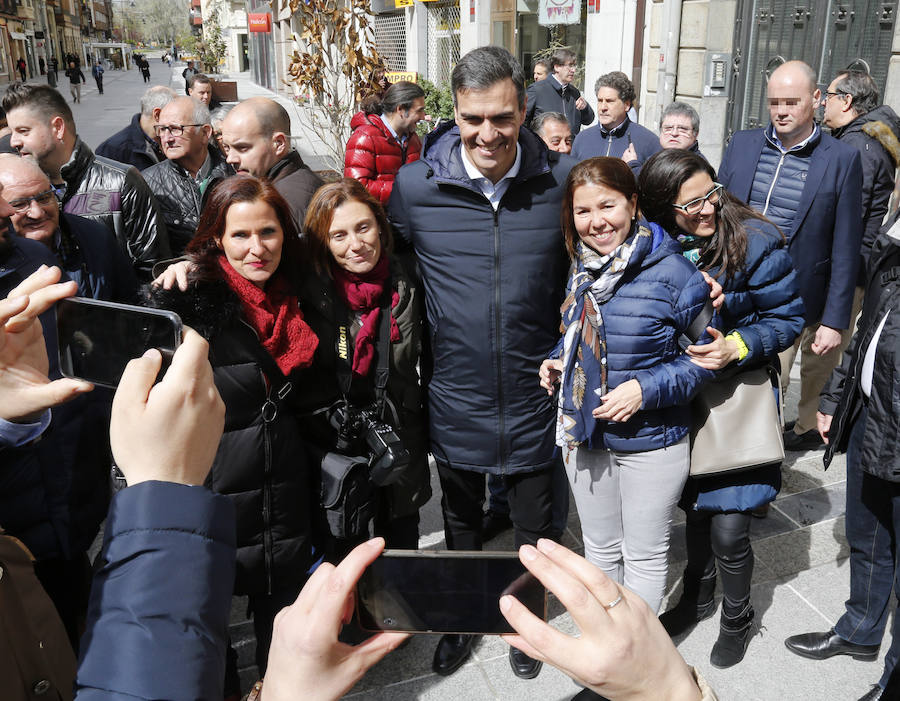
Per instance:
x=390, y=39
x=443, y=41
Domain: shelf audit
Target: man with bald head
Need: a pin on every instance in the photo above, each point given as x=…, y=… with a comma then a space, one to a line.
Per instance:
x=809, y=184
x=137, y=144
x=192, y=166
x=256, y=137
x=85, y=250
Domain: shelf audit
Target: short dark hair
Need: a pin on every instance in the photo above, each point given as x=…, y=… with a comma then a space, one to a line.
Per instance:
x=545, y=62
x=198, y=78
x=562, y=56
x=242, y=187
x=860, y=86
x=612, y=173
x=320, y=214
x=537, y=124
x=619, y=82
x=485, y=66
x=400, y=96
x=682, y=109
x=43, y=99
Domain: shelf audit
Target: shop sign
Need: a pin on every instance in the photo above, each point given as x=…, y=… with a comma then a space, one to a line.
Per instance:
x=471, y=11
x=259, y=22
x=403, y=3
x=552, y=12
x=397, y=76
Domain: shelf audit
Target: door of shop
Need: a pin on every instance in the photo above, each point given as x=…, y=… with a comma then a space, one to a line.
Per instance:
x=828, y=35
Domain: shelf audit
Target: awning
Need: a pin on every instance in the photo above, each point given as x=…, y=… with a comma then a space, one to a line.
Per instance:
x=19, y=36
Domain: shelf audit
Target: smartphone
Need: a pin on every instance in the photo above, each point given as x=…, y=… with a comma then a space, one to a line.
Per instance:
x=424, y=591
x=97, y=339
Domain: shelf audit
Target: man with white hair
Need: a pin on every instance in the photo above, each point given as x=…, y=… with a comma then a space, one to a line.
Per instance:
x=137, y=144
x=192, y=166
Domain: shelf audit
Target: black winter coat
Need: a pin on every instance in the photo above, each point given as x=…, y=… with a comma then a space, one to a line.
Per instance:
x=493, y=283
x=324, y=313
x=180, y=198
x=116, y=195
x=131, y=145
x=296, y=183
x=876, y=135
x=842, y=397
x=263, y=467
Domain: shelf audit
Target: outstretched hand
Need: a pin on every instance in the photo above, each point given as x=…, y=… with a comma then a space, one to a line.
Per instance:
x=25, y=390
x=623, y=653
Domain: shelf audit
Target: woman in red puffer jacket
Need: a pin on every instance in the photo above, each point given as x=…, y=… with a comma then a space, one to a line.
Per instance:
x=384, y=138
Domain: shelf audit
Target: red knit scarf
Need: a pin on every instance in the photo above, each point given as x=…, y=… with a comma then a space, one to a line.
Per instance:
x=274, y=315
x=362, y=293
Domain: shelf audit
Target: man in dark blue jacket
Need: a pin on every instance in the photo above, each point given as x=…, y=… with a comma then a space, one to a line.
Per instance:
x=557, y=94
x=137, y=144
x=481, y=210
x=809, y=185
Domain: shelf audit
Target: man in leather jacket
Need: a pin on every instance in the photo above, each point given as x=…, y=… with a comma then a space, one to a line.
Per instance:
x=88, y=185
x=256, y=136
x=192, y=167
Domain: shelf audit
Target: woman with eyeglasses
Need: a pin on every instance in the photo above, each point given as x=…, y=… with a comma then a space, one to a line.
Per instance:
x=761, y=316
x=623, y=414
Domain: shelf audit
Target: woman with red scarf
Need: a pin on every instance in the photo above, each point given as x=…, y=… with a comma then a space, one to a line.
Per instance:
x=242, y=297
x=354, y=280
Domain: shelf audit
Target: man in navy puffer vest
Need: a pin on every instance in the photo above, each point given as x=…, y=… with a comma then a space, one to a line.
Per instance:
x=809, y=185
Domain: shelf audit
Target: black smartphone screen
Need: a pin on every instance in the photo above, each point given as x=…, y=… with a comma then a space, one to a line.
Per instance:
x=445, y=592
x=97, y=339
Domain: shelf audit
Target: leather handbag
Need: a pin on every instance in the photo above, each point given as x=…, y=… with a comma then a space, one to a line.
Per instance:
x=737, y=423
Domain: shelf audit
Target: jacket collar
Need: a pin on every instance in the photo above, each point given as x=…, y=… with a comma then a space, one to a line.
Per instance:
x=73, y=170
x=617, y=131
x=808, y=144
x=442, y=153
x=287, y=165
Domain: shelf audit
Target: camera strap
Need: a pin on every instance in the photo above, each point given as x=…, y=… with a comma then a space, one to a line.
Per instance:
x=280, y=385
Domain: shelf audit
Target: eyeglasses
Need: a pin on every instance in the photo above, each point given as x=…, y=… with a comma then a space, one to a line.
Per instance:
x=677, y=129
x=696, y=206
x=173, y=129
x=835, y=94
x=42, y=198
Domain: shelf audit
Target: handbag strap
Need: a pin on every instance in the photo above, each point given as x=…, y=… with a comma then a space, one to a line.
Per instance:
x=277, y=378
x=698, y=326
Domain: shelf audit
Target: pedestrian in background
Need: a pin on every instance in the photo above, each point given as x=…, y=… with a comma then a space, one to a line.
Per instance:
x=20, y=66
x=76, y=78
x=97, y=72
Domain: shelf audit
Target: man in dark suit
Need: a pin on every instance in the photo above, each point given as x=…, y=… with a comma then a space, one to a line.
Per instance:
x=809, y=184
x=557, y=94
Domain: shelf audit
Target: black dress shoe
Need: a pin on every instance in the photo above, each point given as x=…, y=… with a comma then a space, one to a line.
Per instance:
x=523, y=666
x=811, y=440
x=874, y=694
x=493, y=524
x=588, y=695
x=820, y=646
x=452, y=651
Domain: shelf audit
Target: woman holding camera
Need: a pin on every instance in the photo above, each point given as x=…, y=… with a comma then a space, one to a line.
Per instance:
x=241, y=297
x=761, y=316
x=354, y=282
x=623, y=414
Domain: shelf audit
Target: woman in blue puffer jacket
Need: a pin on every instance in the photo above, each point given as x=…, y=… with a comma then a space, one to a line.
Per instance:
x=762, y=315
x=623, y=414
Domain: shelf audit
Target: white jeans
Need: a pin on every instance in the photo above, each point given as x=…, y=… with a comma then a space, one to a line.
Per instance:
x=625, y=503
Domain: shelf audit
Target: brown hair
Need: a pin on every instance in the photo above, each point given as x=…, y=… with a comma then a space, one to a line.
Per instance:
x=204, y=248
x=612, y=173
x=320, y=213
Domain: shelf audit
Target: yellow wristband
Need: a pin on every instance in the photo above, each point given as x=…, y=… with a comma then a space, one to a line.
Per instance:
x=742, y=347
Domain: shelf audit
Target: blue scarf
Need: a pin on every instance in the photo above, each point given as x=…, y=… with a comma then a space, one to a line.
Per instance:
x=584, y=374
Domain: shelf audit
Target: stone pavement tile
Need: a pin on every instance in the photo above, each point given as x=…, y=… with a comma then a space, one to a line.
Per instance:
x=408, y=663
x=815, y=505
x=773, y=524
x=793, y=552
x=770, y=671
x=468, y=682
x=810, y=465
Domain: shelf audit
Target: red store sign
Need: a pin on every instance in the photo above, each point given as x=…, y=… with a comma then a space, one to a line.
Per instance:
x=261, y=22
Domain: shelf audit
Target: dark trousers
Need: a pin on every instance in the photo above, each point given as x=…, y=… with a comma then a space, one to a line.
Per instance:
x=68, y=584
x=872, y=522
x=717, y=541
x=499, y=504
x=99, y=81
x=530, y=498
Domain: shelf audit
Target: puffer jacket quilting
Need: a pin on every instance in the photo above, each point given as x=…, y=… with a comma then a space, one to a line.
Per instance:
x=374, y=156
x=116, y=195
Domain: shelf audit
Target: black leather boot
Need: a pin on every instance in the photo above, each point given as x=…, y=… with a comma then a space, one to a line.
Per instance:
x=734, y=634
x=696, y=604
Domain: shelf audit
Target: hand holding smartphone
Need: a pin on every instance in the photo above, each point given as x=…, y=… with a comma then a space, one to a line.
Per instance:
x=418, y=591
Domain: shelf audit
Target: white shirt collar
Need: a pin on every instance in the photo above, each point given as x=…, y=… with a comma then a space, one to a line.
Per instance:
x=477, y=175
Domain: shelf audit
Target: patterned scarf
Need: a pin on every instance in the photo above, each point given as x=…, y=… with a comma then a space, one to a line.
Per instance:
x=691, y=247
x=584, y=344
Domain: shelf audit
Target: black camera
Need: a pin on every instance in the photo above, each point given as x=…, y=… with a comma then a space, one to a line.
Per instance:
x=362, y=430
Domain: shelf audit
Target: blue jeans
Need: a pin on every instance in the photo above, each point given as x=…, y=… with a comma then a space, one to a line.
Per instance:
x=872, y=521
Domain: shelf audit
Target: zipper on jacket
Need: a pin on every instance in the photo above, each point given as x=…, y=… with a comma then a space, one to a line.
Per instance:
x=497, y=326
x=774, y=180
x=609, y=144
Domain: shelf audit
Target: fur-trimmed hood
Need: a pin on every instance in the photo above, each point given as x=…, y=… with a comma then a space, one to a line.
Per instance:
x=881, y=124
x=208, y=306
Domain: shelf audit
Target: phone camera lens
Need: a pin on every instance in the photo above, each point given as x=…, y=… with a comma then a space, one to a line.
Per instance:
x=389, y=622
